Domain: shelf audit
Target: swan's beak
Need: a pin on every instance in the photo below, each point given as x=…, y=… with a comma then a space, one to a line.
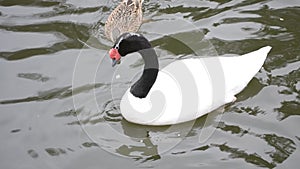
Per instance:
x=115, y=62
x=115, y=56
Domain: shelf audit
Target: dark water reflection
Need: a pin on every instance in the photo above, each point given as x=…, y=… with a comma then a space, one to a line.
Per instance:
x=40, y=127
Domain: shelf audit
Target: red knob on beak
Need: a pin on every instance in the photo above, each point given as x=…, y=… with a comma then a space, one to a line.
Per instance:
x=115, y=56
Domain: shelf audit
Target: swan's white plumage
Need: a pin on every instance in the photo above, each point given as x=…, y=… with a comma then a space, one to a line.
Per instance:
x=190, y=88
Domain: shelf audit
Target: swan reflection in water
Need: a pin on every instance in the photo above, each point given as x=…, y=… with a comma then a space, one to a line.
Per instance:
x=116, y=135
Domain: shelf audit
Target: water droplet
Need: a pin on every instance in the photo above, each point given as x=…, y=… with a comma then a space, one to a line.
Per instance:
x=118, y=76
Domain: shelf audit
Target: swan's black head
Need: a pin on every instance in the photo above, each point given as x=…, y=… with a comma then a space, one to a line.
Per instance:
x=128, y=43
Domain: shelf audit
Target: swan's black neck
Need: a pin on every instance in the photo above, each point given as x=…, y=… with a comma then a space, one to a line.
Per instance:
x=133, y=42
x=142, y=87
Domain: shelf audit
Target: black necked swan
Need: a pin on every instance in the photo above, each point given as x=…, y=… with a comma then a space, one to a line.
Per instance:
x=185, y=89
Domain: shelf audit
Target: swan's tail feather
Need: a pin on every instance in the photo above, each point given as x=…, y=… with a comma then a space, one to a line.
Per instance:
x=238, y=71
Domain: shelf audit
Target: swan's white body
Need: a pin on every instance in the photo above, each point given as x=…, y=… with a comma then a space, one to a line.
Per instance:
x=187, y=89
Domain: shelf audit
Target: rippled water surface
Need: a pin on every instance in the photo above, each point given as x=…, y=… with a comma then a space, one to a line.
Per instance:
x=54, y=68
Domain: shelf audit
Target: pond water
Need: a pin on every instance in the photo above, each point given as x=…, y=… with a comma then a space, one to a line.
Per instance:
x=59, y=95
